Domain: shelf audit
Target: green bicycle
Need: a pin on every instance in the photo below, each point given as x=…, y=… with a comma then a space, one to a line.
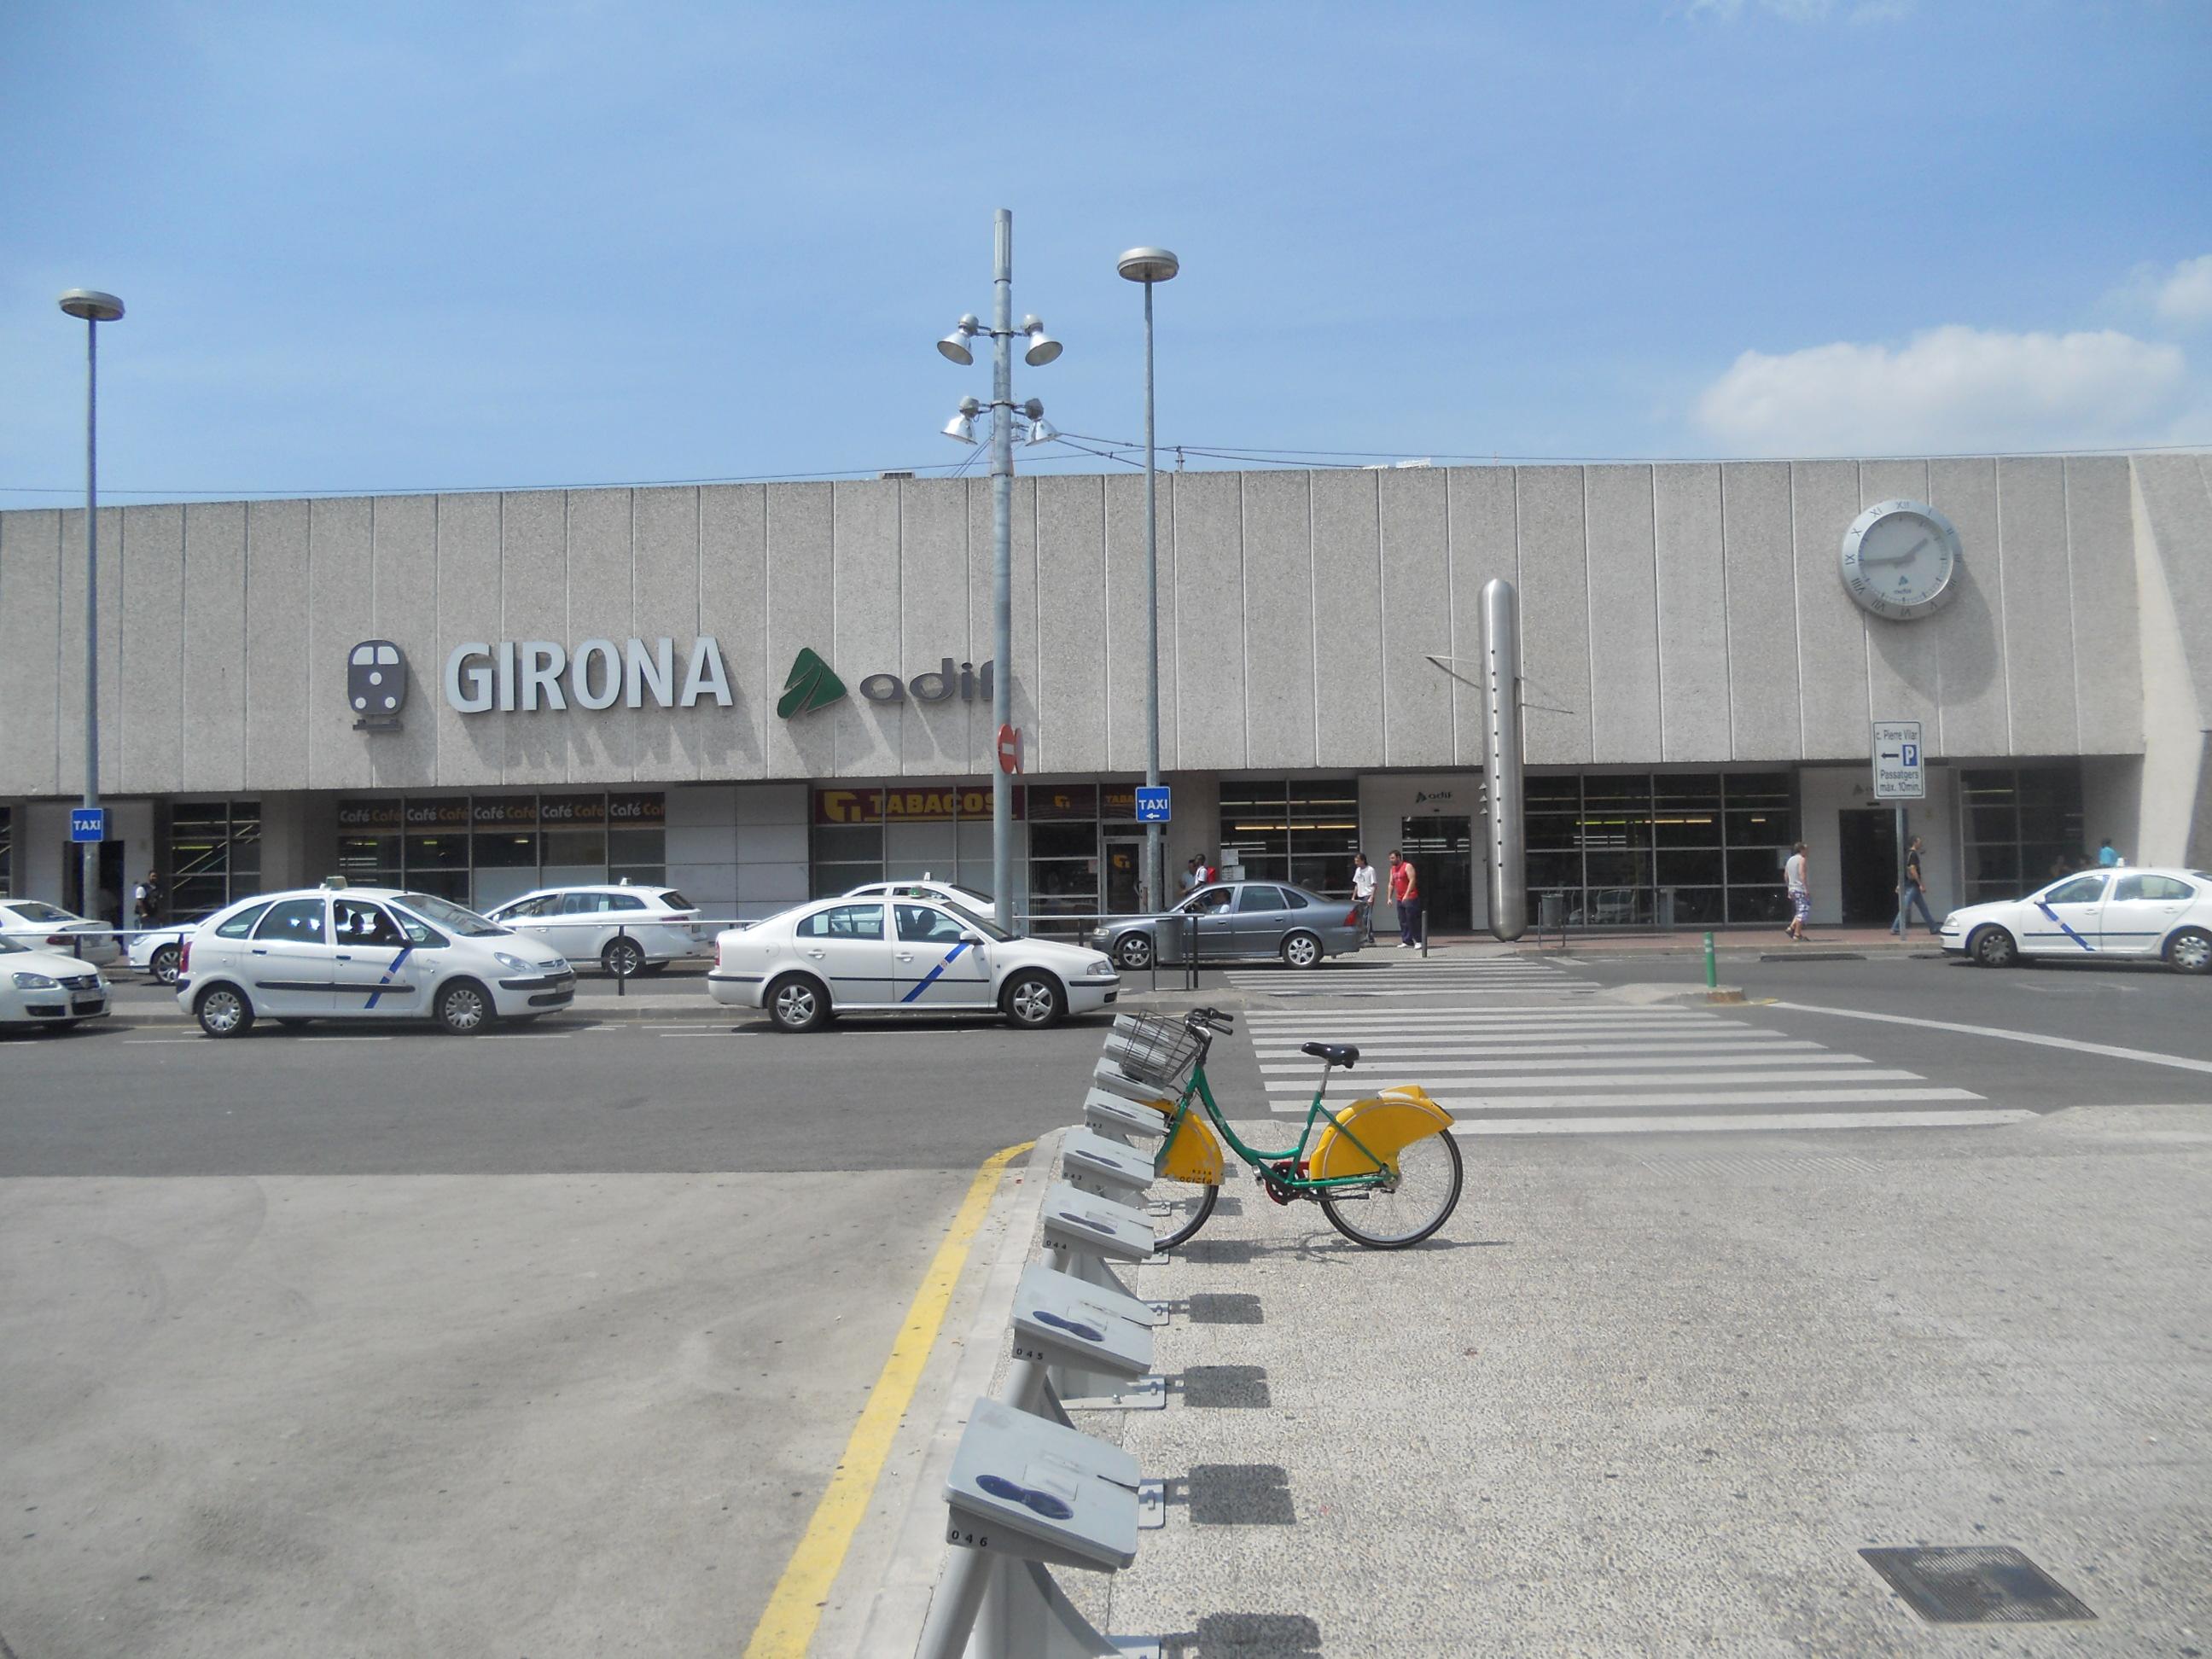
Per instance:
x=1385, y=1170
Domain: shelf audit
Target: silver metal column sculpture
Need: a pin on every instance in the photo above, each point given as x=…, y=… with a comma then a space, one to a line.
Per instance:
x=1501, y=720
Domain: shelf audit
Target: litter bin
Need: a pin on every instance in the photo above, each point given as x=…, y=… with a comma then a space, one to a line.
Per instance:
x=1552, y=915
x=1665, y=916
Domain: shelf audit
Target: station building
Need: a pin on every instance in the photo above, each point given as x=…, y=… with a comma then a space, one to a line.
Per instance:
x=762, y=692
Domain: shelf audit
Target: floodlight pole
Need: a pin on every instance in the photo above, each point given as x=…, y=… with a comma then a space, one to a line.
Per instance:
x=1002, y=561
x=95, y=308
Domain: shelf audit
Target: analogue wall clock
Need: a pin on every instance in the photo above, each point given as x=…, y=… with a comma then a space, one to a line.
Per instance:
x=1900, y=560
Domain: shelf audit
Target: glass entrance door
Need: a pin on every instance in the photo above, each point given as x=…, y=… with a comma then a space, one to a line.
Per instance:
x=1443, y=852
x=1125, y=867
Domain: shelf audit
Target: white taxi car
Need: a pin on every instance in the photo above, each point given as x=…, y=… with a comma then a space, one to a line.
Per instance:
x=631, y=930
x=944, y=892
x=363, y=953
x=42, y=926
x=156, y=950
x=913, y=954
x=2119, y=912
x=41, y=986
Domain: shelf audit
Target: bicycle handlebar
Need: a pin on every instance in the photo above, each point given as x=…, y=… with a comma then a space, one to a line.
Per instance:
x=1212, y=1020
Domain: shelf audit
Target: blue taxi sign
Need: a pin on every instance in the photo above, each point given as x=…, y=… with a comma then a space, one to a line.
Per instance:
x=1153, y=804
x=88, y=823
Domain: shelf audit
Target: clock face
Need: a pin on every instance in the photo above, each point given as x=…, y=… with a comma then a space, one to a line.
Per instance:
x=1899, y=559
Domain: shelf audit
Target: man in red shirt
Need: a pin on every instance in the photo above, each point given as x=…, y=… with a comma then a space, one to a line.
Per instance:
x=1405, y=894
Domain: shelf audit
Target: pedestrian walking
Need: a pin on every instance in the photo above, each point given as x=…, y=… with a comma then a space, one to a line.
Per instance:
x=1363, y=896
x=1405, y=894
x=1913, y=892
x=146, y=899
x=1801, y=892
x=1205, y=872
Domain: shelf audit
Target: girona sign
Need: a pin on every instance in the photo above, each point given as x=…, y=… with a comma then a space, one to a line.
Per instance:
x=528, y=675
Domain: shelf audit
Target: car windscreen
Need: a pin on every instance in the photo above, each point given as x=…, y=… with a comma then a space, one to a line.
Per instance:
x=450, y=916
x=676, y=901
x=969, y=898
x=33, y=910
x=988, y=929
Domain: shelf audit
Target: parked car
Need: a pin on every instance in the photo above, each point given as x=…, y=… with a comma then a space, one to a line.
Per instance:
x=43, y=987
x=2099, y=912
x=363, y=953
x=944, y=891
x=627, y=930
x=914, y=955
x=156, y=951
x=1231, y=918
x=36, y=923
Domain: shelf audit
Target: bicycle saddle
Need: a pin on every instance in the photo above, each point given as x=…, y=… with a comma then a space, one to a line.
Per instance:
x=1336, y=1053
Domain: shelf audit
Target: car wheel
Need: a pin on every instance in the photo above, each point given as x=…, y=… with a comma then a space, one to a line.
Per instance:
x=1993, y=947
x=796, y=1003
x=223, y=1012
x=2190, y=951
x=1034, y=1001
x=621, y=957
x=163, y=965
x=1301, y=951
x=465, y=1007
x=1134, y=951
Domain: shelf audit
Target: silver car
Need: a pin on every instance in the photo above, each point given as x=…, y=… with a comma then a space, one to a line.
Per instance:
x=1230, y=918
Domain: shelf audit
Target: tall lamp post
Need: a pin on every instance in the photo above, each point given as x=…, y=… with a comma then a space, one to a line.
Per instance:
x=95, y=308
x=1041, y=350
x=1149, y=266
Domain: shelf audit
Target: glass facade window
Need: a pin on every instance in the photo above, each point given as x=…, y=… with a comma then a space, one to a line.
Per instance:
x=868, y=832
x=1304, y=831
x=483, y=850
x=2020, y=827
x=7, y=851
x=1640, y=848
x=213, y=855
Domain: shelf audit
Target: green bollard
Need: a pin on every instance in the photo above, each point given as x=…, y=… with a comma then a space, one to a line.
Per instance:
x=1712, y=974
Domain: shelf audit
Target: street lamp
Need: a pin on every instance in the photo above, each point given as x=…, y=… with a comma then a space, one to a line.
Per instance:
x=95, y=308
x=1149, y=266
x=1040, y=349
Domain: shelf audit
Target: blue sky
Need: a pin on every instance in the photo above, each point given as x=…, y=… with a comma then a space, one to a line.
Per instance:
x=436, y=247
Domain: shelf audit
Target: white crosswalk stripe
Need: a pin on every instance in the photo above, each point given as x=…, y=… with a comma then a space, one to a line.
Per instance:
x=1463, y=977
x=1579, y=1068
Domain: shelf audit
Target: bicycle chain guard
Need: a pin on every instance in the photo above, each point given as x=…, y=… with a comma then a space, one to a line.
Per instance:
x=1274, y=1175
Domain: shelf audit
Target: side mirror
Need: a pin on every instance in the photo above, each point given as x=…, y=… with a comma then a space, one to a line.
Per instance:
x=971, y=939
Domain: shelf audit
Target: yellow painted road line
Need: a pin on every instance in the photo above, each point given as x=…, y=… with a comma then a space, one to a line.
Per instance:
x=794, y=1608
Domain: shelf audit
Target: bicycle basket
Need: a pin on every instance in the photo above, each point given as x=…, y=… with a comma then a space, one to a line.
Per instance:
x=1153, y=1048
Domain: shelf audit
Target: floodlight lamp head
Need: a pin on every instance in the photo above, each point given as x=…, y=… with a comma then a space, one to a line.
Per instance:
x=1042, y=347
x=1147, y=265
x=961, y=428
x=954, y=345
x=1043, y=432
x=1034, y=408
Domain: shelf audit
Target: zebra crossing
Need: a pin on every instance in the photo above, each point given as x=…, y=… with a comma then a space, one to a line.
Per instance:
x=1579, y=1068
x=1461, y=977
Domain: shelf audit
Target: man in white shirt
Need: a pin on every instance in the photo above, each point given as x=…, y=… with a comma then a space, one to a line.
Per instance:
x=1363, y=896
x=1801, y=892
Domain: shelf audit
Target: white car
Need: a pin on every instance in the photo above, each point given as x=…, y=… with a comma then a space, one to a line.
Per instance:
x=883, y=955
x=156, y=951
x=42, y=926
x=944, y=892
x=38, y=987
x=2116, y=912
x=629, y=930
x=363, y=953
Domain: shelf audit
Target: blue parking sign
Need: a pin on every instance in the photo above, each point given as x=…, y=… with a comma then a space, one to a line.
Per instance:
x=1152, y=804
x=88, y=823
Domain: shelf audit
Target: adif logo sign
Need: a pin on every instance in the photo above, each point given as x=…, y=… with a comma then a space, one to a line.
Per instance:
x=376, y=685
x=533, y=674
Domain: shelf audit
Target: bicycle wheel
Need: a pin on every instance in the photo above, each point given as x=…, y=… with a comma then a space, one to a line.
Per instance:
x=1422, y=1201
x=1178, y=1210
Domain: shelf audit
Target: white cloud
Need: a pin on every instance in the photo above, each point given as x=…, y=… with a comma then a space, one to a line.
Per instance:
x=2183, y=294
x=1948, y=390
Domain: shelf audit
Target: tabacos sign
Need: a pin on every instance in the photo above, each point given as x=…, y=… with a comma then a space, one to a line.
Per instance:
x=812, y=685
x=528, y=675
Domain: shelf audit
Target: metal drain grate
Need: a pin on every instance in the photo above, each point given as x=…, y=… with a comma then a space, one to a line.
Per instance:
x=1975, y=1584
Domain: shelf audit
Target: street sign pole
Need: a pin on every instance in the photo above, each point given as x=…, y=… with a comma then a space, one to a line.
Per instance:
x=1900, y=775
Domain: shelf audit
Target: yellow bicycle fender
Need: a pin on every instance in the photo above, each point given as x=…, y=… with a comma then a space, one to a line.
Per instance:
x=1191, y=1154
x=1386, y=1124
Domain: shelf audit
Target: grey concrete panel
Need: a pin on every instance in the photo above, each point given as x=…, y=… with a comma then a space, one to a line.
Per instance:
x=471, y=751
x=600, y=577
x=867, y=598
x=665, y=599
x=2039, y=606
x=732, y=743
x=1483, y=516
x=1071, y=670
x=773, y=803
x=1209, y=590
x=404, y=580
x=1831, y=647
x=213, y=698
x=1127, y=637
x=2107, y=626
x=1905, y=663
x=71, y=699
x=1555, y=615
x=150, y=733
x=341, y=613
x=1023, y=587
x=800, y=615
x=1693, y=583
x=276, y=684
x=1414, y=542
x=1624, y=616
x=1762, y=610
x=31, y=624
x=1970, y=630
x=933, y=622
x=1280, y=636
x=534, y=605
x=2176, y=498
